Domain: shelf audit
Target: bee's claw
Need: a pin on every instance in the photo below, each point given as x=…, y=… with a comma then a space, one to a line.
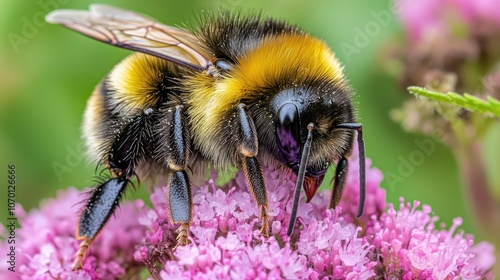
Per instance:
x=77, y=265
x=182, y=235
x=264, y=231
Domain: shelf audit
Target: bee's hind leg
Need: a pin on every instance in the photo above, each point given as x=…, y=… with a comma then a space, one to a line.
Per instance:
x=122, y=159
x=248, y=150
x=100, y=206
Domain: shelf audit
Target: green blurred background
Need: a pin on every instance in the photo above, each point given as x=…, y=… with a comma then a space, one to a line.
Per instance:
x=47, y=73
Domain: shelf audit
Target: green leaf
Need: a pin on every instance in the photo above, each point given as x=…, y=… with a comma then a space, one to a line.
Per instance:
x=467, y=101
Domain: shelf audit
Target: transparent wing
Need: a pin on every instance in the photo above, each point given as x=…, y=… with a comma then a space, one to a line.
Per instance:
x=136, y=32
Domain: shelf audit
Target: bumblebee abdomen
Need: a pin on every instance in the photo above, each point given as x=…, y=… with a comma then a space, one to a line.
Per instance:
x=138, y=83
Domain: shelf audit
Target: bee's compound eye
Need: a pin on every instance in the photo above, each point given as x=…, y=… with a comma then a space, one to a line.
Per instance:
x=223, y=64
x=288, y=134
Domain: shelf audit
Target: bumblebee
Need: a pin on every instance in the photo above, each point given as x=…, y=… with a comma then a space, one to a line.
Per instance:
x=239, y=90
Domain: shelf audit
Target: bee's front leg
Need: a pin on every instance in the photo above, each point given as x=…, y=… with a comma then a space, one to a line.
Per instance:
x=341, y=171
x=248, y=150
x=338, y=182
x=173, y=150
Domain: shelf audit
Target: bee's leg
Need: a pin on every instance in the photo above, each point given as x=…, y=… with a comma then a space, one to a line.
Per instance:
x=338, y=182
x=122, y=159
x=180, y=204
x=251, y=167
x=341, y=171
x=99, y=208
x=173, y=149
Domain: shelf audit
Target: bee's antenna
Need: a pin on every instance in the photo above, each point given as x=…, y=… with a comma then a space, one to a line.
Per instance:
x=300, y=177
x=362, y=169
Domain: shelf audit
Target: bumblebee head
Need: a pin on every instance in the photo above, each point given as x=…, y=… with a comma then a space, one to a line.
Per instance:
x=297, y=80
x=325, y=106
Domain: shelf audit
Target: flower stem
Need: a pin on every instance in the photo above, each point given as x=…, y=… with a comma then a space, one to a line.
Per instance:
x=485, y=209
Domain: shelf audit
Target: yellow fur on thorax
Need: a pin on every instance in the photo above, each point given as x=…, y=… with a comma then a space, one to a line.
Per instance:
x=302, y=57
x=135, y=81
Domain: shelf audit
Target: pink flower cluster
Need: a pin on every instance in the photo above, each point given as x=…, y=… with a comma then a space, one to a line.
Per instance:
x=410, y=247
x=225, y=241
x=46, y=244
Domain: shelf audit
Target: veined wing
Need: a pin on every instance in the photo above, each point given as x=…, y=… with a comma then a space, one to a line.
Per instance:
x=130, y=30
